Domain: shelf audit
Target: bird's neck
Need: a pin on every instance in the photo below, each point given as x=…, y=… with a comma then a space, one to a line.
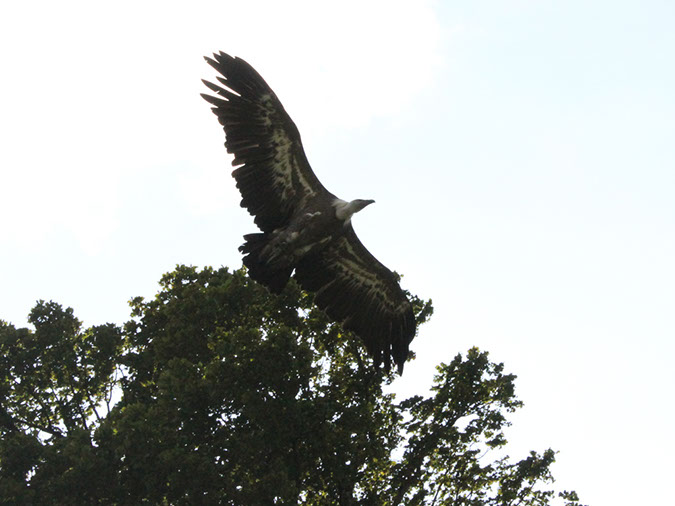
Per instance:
x=345, y=210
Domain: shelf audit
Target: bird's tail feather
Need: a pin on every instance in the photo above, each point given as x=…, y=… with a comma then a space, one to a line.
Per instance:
x=273, y=277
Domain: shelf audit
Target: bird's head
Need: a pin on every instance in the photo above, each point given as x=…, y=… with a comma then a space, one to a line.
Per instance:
x=359, y=204
x=345, y=210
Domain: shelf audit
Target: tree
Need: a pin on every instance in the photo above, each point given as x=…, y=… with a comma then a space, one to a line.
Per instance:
x=217, y=392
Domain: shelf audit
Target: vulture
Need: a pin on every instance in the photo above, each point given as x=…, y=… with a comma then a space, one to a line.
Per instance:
x=305, y=230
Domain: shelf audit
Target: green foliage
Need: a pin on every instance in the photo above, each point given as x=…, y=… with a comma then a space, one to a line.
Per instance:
x=217, y=392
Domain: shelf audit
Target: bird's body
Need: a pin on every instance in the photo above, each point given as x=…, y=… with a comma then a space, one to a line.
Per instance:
x=272, y=257
x=306, y=231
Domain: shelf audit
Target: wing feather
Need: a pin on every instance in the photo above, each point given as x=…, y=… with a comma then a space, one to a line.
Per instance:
x=272, y=171
x=356, y=290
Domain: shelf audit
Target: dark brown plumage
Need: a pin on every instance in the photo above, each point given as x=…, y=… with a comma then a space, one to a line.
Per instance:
x=306, y=231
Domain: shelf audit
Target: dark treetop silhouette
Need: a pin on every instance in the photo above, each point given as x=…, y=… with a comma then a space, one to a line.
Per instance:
x=306, y=230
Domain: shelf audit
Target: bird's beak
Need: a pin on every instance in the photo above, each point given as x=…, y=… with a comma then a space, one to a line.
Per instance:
x=367, y=203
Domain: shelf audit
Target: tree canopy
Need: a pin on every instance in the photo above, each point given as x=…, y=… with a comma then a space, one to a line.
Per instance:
x=217, y=392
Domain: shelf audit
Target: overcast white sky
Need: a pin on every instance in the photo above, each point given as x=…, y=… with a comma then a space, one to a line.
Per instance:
x=520, y=153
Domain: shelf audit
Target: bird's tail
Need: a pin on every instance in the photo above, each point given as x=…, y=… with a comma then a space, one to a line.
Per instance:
x=272, y=276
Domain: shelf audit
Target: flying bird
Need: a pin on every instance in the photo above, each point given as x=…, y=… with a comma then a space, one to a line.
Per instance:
x=305, y=230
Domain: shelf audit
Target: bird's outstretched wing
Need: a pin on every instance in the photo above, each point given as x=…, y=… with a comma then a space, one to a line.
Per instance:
x=272, y=172
x=356, y=290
